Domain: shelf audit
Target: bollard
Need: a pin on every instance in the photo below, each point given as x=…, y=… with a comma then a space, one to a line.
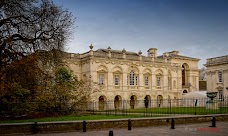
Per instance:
x=172, y=123
x=34, y=128
x=84, y=126
x=213, y=122
x=110, y=133
x=129, y=124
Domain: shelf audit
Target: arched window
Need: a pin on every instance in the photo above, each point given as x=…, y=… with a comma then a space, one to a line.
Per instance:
x=183, y=75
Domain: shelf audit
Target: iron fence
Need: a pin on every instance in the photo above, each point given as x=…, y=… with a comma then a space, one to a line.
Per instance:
x=158, y=108
x=141, y=108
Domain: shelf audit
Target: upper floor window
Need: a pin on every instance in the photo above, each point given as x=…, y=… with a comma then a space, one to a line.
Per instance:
x=220, y=76
x=146, y=80
x=117, y=79
x=132, y=79
x=101, y=79
x=158, y=81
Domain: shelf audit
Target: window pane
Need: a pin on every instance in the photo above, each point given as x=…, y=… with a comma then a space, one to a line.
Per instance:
x=146, y=80
x=136, y=80
x=132, y=78
x=101, y=79
x=220, y=94
x=117, y=79
x=158, y=81
x=220, y=76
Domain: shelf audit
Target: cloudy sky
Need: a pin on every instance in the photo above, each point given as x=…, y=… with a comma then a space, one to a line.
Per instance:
x=196, y=28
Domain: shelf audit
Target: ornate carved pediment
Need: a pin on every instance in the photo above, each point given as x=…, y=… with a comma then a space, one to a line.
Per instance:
x=210, y=72
x=219, y=88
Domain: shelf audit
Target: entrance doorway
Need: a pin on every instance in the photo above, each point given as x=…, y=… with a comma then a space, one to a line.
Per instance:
x=117, y=102
x=132, y=101
x=102, y=102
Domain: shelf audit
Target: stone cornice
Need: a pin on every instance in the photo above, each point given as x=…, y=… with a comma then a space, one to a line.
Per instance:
x=217, y=61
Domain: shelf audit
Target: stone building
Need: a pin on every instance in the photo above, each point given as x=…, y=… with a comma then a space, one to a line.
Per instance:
x=119, y=75
x=217, y=75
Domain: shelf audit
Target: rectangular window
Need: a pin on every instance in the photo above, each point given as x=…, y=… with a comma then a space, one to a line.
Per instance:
x=136, y=80
x=146, y=81
x=220, y=94
x=158, y=81
x=117, y=80
x=101, y=79
x=220, y=76
x=132, y=78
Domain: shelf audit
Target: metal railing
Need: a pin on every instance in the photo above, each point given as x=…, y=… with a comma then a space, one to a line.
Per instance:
x=160, y=107
x=142, y=108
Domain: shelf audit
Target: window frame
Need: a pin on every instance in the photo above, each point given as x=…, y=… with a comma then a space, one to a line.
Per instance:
x=100, y=75
x=117, y=81
x=220, y=76
x=158, y=80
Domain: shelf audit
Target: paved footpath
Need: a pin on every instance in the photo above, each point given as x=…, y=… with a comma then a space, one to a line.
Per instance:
x=200, y=129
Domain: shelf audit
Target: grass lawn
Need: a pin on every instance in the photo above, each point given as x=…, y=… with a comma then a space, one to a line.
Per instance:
x=128, y=113
x=72, y=118
x=181, y=110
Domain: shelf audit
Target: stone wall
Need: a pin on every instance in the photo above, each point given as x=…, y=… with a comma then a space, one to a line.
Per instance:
x=69, y=126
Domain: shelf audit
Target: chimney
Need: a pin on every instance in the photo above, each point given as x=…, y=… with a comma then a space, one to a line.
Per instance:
x=152, y=52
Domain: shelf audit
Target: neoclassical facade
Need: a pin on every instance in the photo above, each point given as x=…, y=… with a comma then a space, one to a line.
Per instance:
x=217, y=75
x=118, y=75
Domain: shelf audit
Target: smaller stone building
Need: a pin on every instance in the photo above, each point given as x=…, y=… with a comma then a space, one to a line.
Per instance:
x=217, y=76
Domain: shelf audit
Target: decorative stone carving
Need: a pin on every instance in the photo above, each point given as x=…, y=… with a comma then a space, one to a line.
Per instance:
x=140, y=52
x=123, y=51
x=91, y=46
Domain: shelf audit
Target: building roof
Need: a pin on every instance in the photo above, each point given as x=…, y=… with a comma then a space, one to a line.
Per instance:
x=217, y=61
x=117, y=51
x=177, y=56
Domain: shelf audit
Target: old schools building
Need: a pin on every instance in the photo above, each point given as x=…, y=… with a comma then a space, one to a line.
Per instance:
x=217, y=76
x=118, y=75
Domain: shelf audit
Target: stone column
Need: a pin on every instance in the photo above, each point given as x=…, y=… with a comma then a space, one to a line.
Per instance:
x=124, y=81
x=110, y=81
x=154, y=81
x=141, y=81
x=165, y=80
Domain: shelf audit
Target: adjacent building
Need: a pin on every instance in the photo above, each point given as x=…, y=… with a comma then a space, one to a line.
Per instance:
x=217, y=75
x=118, y=75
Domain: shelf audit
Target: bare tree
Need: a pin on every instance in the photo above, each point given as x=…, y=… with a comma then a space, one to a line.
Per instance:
x=30, y=25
